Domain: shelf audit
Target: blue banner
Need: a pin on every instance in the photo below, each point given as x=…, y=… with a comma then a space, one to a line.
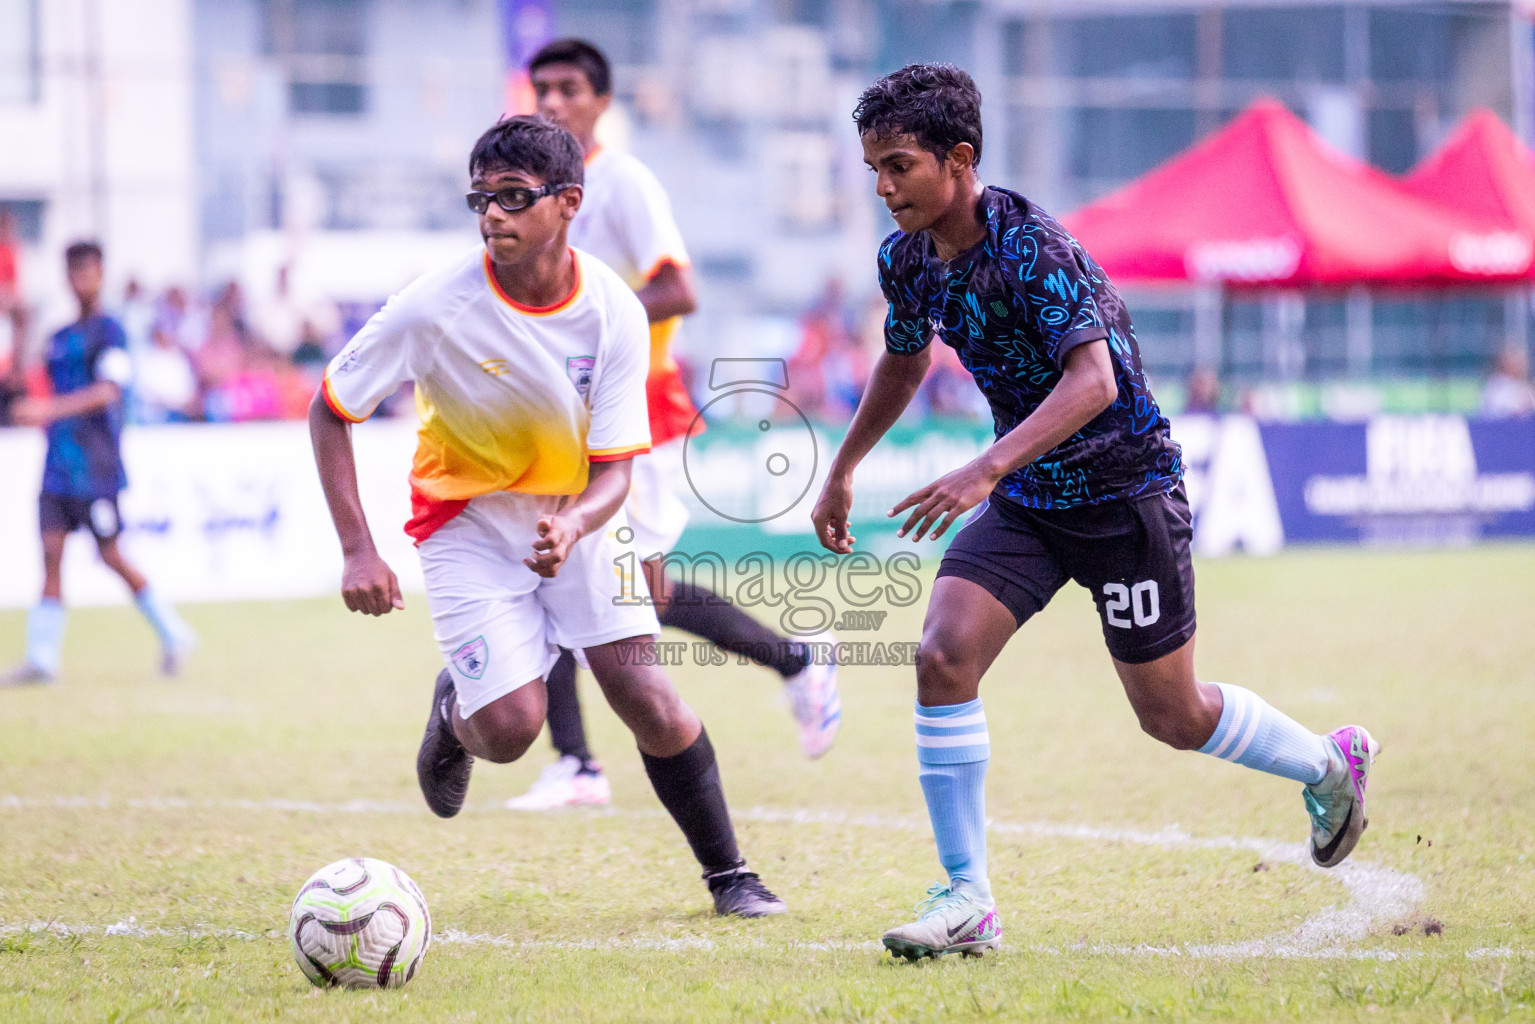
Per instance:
x=1403, y=480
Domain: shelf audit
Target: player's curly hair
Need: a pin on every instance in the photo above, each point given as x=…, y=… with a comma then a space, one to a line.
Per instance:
x=530, y=143
x=938, y=104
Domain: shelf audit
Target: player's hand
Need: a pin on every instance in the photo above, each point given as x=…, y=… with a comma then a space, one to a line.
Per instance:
x=31, y=412
x=944, y=500
x=830, y=516
x=368, y=585
x=556, y=535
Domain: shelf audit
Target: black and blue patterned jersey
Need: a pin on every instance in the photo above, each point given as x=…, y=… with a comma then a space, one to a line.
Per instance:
x=83, y=458
x=1012, y=306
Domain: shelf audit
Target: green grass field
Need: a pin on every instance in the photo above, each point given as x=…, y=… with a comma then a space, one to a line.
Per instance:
x=152, y=834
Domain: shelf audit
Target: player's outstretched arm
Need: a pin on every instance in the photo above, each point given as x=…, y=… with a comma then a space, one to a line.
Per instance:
x=606, y=489
x=892, y=386
x=39, y=412
x=367, y=583
x=1086, y=388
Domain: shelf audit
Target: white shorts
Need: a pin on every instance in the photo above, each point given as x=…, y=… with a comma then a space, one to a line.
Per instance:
x=655, y=509
x=499, y=624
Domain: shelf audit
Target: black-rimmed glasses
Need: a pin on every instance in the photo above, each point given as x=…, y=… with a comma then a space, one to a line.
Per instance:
x=512, y=199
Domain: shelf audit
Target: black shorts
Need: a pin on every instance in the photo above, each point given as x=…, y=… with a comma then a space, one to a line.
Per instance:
x=1132, y=555
x=98, y=515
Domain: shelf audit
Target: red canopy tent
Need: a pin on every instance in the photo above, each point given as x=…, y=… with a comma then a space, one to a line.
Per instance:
x=1484, y=172
x=1265, y=202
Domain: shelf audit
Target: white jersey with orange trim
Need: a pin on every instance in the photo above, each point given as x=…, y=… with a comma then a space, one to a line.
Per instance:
x=626, y=221
x=511, y=398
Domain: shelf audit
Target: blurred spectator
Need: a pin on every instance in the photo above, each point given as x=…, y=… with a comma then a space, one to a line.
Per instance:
x=9, y=263
x=1204, y=394
x=137, y=315
x=949, y=389
x=187, y=323
x=1508, y=391
x=12, y=318
x=222, y=356
x=252, y=391
x=164, y=388
x=310, y=357
x=279, y=320
x=285, y=323
x=848, y=365
x=824, y=329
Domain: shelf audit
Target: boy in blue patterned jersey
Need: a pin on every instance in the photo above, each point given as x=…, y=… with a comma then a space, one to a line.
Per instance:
x=1083, y=483
x=83, y=470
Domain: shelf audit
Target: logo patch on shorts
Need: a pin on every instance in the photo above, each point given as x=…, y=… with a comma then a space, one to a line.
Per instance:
x=579, y=370
x=471, y=658
x=104, y=518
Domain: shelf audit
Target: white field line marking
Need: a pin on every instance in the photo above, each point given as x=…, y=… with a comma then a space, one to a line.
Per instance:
x=130, y=928
x=1377, y=894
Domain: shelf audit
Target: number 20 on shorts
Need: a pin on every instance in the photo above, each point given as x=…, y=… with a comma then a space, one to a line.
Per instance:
x=1142, y=601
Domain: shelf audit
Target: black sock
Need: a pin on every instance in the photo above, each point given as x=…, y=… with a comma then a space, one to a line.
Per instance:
x=689, y=787
x=566, y=730
x=702, y=613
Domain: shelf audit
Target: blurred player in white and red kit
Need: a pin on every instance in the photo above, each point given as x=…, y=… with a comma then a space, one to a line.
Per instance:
x=626, y=221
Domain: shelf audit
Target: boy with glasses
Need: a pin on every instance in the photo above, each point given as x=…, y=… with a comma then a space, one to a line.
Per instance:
x=528, y=359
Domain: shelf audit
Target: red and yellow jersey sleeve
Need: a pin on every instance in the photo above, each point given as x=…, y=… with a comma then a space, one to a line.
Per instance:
x=670, y=407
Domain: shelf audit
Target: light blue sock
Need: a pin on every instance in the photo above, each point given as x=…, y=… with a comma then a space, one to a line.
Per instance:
x=953, y=749
x=1252, y=733
x=45, y=635
x=168, y=625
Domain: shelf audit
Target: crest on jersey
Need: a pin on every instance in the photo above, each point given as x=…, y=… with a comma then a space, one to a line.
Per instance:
x=471, y=658
x=579, y=370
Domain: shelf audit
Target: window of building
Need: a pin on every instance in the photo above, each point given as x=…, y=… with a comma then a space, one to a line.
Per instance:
x=1112, y=145
x=26, y=218
x=1158, y=46
x=20, y=73
x=622, y=29
x=323, y=45
x=1283, y=44
x=1393, y=140
x=1412, y=45
x=1015, y=42
x=1325, y=337
x=1243, y=348
x=326, y=97
x=1165, y=334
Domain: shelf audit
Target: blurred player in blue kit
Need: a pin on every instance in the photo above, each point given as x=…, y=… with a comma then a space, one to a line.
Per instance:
x=1083, y=483
x=83, y=471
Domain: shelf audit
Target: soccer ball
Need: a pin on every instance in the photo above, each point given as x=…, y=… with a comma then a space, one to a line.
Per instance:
x=359, y=923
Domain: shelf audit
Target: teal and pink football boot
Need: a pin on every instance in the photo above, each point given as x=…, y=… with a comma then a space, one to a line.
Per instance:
x=948, y=921
x=1336, y=804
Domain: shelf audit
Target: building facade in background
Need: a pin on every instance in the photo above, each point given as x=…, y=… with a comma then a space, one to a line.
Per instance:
x=209, y=140
x=96, y=138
